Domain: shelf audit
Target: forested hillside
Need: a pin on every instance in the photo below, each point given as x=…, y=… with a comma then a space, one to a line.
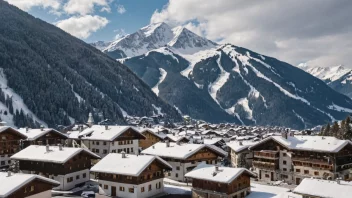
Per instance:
x=61, y=79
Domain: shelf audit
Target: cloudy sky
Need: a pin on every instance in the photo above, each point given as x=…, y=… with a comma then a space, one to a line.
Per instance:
x=316, y=31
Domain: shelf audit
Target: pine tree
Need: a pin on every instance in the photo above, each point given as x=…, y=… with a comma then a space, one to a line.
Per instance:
x=322, y=130
x=348, y=131
x=327, y=130
x=335, y=129
x=342, y=129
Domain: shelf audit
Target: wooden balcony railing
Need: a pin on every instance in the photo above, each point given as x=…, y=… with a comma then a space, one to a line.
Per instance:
x=266, y=154
x=265, y=165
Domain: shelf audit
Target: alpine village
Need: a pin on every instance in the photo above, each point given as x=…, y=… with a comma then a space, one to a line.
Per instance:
x=162, y=112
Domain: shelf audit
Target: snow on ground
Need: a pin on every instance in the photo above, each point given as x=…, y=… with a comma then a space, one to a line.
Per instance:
x=179, y=190
x=165, y=51
x=158, y=110
x=17, y=101
x=338, y=108
x=244, y=103
x=195, y=58
x=300, y=117
x=79, y=98
x=178, y=110
x=219, y=82
x=265, y=191
x=163, y=74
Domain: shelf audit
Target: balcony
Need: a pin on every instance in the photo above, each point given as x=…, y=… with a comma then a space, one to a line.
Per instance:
x=266, y=154
x=266, y=165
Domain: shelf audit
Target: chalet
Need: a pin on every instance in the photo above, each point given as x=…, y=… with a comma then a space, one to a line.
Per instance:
x=151, y=138
x=104, y=139
x=10, y=139
x=69, y=166
x=42, y=136
x=317, y=188
x=18, y=185
x=224, y=182
x=292, y=158
x=185, y=157
x=240, y=155
x=173, y=138
x=123, y=175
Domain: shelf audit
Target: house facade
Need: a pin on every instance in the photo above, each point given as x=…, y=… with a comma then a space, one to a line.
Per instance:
x=42, y=136
x=240, y=155
x=103, y=139
x=292, y=158
x=135, y=176
x=69, y=166
x=10, y=140
x=220, y=182
x=18, y=185
x=185, y=157
x=151, y=138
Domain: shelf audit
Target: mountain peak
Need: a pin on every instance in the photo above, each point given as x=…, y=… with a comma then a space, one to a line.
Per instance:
x=151, y=28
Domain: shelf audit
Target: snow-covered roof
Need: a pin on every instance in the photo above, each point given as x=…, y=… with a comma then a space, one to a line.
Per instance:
x=175, y=138
x=99, y=132
x=132, y=165
x=309, y=143
x=324, y=188
x=181, y=151
x=238, y=146
x=142, y=130
x=212, y=141
x=55, y=155
x=33, y=134
x=223, y=175
x=5, y=128
x=10, y=184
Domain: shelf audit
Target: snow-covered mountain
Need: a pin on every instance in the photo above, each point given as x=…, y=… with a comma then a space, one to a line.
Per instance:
x=158, y=35
x=337, y=77
x=227, y=83
x=101, y=45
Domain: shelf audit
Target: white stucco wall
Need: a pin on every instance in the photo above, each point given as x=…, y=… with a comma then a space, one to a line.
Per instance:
x=137, y=189
x=68, y=186
x=5, y=159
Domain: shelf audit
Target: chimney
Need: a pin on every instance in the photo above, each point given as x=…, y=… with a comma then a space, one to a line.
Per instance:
x=60, y=147
x=27, y=129
x=338, y=181
x=80, y=128
x=216, y=168
x=178, y=143
x=106, y=127
x=41, y=127
x=47, y=148
x=8, y=173
x=153, y=147
x=167, y=143
x=241, y=144
x=284, y=134
x=123, y=154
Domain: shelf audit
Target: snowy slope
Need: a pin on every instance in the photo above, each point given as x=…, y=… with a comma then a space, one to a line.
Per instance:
x=337, y=77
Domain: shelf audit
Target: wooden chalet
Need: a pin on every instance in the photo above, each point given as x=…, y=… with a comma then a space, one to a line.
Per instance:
x=18, y=185
x=224, y=182
x=10, y=140
x=151, y=138
x=67, y=165
x=184, y=157
x=43, y=136
x=122, y=175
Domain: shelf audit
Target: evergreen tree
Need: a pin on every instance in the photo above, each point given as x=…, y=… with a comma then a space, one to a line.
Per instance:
x=348, y=131
x=327, y=130
x=342, y=129
x=322, y=130
x=335, y=129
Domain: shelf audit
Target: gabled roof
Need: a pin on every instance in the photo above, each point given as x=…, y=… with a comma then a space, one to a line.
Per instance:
x=10, y=184
x=33, y=134
x=39, y=153
x=143, y=130
x=6, y=128
x=132, y=165
x=182, y=151
x=175, y=138
x=237, y=147
x=308, y=143
x=99, y=132
x=324, y=188
x=223, y=175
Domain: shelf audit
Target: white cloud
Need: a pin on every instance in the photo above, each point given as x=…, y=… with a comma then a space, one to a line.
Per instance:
x=82, y=26
x=318, y=31
x=121, y=9
x=84, y=7
x=26, y=5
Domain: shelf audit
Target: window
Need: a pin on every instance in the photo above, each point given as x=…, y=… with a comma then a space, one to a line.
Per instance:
x=142, y=189
x=298, y=170
x=128, y=150
x=169, y=174
x=284, y=154
x=97, y=143
x=93, y=143
x=316, y=173
x=113, y=151
x=177, y=168
x=84, y=175
x=96, y=150
x=93, y=150
x=306, y=171
x=285, y=162
x=70, y=179
x=122, y=188
x=284, y=169
x=267, y=175
x=104, y=143
x=105, y=151
x=131, y=150
x=114, y=176
x=106, y=187
x=129, y=177
x=149, y=187
x=176, y=175
x=131, y=190
x=77, y=176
